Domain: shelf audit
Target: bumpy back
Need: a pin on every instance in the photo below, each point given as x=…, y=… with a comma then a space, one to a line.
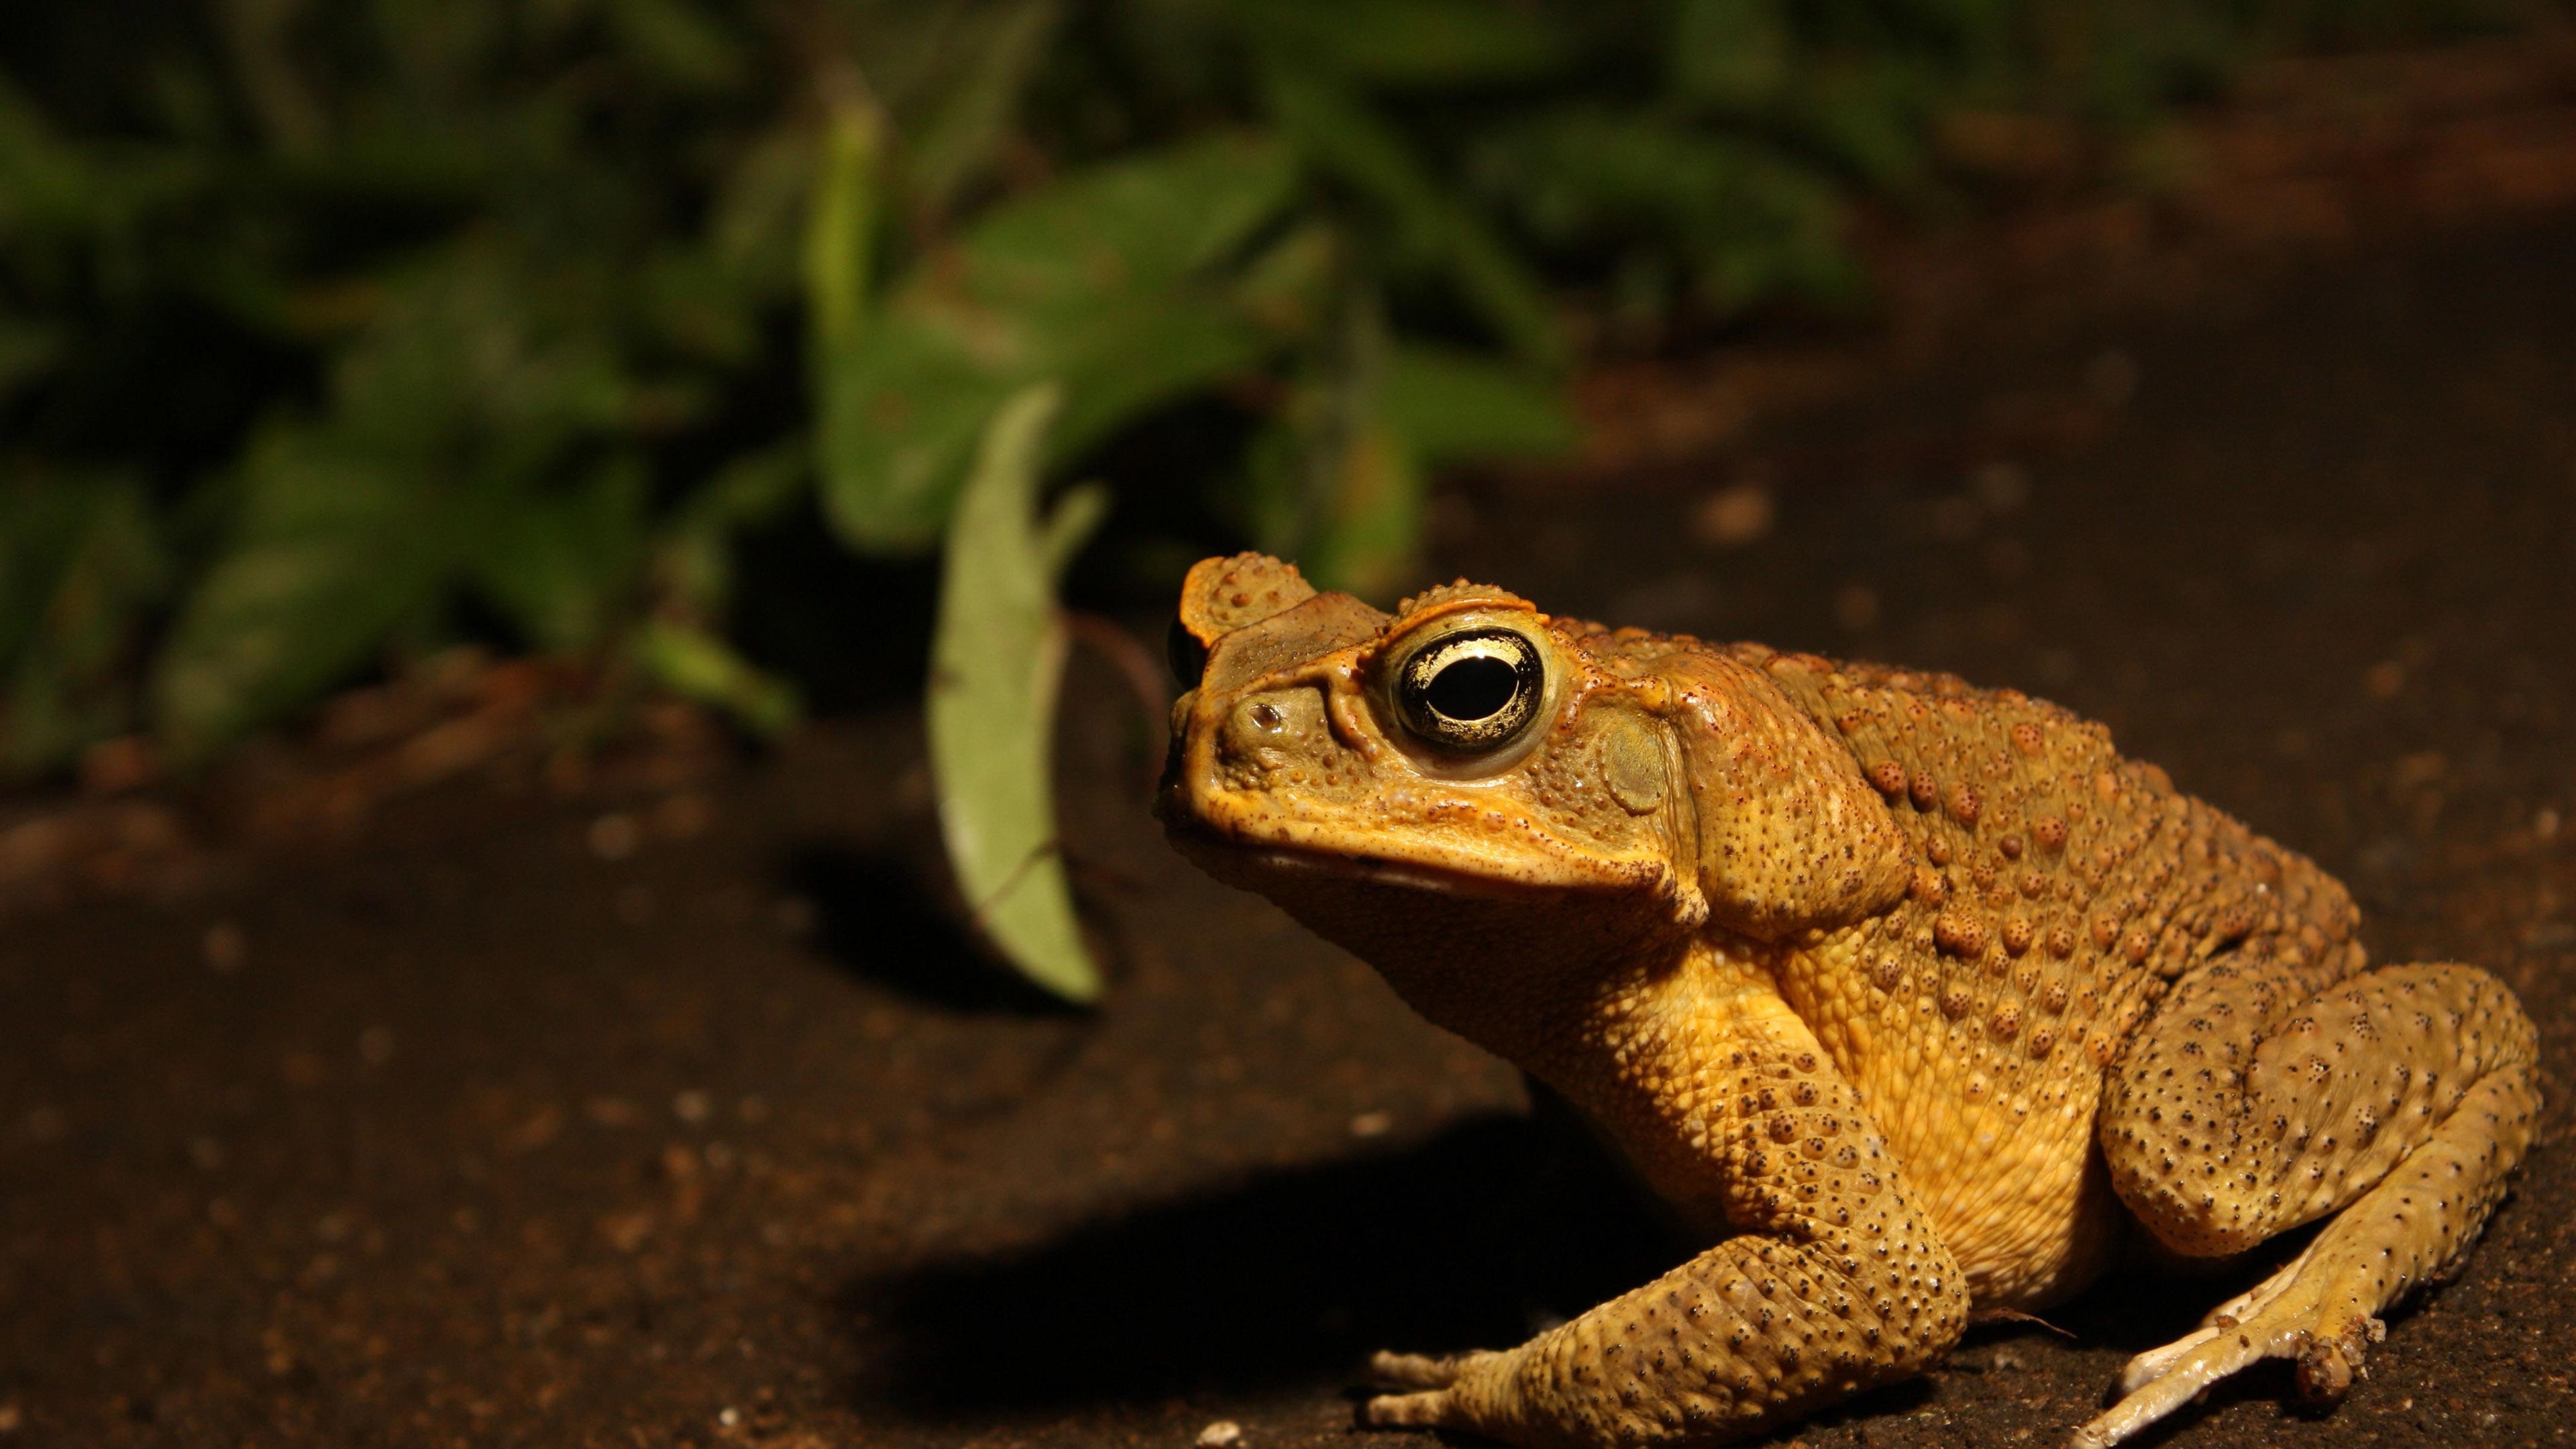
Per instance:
x=2044, y=858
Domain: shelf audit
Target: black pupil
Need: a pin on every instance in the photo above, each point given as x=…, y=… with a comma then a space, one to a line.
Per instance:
x=1474, y=688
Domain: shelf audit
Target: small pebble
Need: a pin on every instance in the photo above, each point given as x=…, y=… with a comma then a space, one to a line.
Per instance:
x=1856, y=607
x=684, y=816
x=1955, y=517
x=612, y=1112
x=225, y=947
x=1372, y=1124
x=1220, y=1434
x=794, y=915
x=614, y=836
x=2002, y=487
x=626, y=1231
x=2112, y=377
x=119, y=766
x=1733, y=517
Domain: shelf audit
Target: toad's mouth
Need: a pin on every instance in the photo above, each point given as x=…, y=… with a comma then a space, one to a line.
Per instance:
x=1289, y=860
x=1260, y=864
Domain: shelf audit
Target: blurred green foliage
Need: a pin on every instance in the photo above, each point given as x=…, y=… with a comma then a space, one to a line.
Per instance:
x=331, y=329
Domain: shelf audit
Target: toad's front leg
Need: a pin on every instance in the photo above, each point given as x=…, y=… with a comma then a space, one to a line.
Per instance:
x=1837, y=1283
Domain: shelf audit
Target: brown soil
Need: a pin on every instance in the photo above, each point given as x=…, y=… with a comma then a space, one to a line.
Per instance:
x=697, y=1122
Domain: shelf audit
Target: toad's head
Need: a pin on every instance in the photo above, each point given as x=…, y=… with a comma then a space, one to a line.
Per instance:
x=1461, y=792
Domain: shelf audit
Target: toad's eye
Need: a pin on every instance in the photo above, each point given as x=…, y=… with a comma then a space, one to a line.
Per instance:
x=1472, y=691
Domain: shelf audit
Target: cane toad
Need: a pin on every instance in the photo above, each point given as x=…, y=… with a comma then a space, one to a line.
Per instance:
x=1911, y=999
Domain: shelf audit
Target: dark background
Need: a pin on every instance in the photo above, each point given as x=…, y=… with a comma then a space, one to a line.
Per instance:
x=509, y=1046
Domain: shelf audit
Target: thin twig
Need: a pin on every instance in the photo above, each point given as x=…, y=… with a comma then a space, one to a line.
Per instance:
x=1135, y=664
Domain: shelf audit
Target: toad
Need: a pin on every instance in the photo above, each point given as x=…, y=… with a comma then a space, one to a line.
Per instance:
x=1912, y=1000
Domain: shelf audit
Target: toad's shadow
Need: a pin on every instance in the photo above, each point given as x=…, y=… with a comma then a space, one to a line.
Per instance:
x=1474, y=1237
x=1468, y=1239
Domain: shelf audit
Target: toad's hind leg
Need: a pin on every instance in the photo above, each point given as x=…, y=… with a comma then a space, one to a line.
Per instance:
x=2402, y=1096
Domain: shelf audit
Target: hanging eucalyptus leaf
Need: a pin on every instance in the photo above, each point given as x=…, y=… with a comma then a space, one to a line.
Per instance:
x=997, y=656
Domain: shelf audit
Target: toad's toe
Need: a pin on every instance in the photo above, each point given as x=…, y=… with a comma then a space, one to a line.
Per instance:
x=1426, y=1410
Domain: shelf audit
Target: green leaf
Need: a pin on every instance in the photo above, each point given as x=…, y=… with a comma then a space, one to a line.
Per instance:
x=1754, y=222
x=675, y=44
x=1069, y=525
x=693, y=562
x=1372, y=519
x=1453, y=406
x=26, y=350
x=481, y=361
x=41, y=522
x=80, y=562
x=1734, y=53
x=695, y=664
x=899, y=418
x=1335, y=483
x=697, y=306
x=1873, y=114
x=333, y=550
x=757, y=217
x=1287, y=287
x=1131, y=225
x=562, y=562
x=46, y=184
x=840, y=227
x=1104, y=280
x=257, y=33
x=997, y=655
x=1134, y=358
x=958, y=140
x=1340, y=137
x=480, y=382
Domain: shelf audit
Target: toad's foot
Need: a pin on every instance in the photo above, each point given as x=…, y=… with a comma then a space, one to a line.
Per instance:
x=1422, y=1370
x=2300, y=1312
x=1427, y=1377
x=1412, y=1370
x=2227, y=1317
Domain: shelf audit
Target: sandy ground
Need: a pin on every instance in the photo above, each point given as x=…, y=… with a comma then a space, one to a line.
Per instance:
x=698, y=1124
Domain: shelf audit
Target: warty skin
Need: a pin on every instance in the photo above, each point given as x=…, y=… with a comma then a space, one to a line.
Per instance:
x=1910, y=998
